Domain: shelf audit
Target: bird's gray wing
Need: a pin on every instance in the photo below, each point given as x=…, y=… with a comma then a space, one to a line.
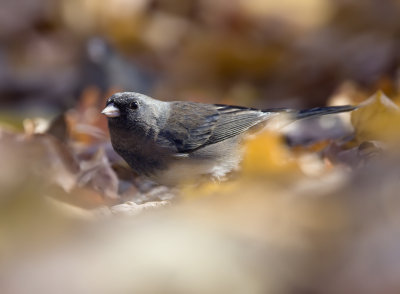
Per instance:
x=196, y=125
x=189, y=125
x=234, y=120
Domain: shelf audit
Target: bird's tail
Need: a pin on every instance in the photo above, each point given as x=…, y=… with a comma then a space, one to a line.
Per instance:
x=311, y=112
x=318, y=111
x=290, y=115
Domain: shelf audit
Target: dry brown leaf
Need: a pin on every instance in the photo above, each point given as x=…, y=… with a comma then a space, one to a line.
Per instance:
x=378, y=118
x=354, y=157
x=99, y=175
x=267, y=154
x=85, y=123
x=61, y=163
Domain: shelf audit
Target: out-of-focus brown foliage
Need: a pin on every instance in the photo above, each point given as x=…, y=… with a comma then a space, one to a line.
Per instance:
x=314, y=208
x=377, y=118
x=264, y=53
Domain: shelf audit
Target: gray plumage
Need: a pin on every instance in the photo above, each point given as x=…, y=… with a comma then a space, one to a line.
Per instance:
x=172, y=142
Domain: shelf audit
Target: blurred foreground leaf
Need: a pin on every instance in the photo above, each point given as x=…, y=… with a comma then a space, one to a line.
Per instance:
x=267, y=154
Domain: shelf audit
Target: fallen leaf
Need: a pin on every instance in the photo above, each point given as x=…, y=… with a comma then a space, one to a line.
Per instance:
x=378, y=118
x=99, y=175
x=267, y=154
x=354, y=157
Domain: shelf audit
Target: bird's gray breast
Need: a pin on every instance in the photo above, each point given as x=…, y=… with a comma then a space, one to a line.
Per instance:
x=142, y=154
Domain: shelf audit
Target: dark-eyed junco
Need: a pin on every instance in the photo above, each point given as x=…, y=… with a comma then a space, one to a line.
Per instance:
x=173, y=142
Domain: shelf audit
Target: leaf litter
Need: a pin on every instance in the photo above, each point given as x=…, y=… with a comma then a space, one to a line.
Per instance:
x=296, y=198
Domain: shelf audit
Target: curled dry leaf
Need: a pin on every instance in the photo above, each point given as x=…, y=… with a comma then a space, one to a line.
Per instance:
x=58, y=128
x=85, y=123
x=354, y=157
x=99, y=175
x=378, y=118
x=54, y=158
x=61, y=165
x=370, y=150
x=267, y=154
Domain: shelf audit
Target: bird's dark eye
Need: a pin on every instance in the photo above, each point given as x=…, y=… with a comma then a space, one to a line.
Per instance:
x=134, y=105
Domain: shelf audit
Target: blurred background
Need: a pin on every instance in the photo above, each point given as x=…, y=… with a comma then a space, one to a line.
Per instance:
x=253, y=52
x=315, y=210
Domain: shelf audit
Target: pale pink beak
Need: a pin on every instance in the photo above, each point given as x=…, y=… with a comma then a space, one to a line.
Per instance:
x=111, y=111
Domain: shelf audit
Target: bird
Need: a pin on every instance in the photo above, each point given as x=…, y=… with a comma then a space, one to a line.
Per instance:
x=173, y=142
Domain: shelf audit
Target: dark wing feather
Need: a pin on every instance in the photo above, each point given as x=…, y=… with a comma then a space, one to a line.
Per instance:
x=235, y=120
x=196, y=125
x=190, y=125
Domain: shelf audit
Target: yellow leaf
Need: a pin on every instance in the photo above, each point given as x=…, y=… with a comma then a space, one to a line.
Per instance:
x=266, y=153
x=378, y=118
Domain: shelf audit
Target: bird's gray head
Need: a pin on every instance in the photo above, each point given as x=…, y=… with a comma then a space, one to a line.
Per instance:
x=134, y=111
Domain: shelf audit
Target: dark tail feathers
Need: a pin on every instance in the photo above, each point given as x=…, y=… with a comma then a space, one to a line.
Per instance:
x=317, y=111
x=306, y=113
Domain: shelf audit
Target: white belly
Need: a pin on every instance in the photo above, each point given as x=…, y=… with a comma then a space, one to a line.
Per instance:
x=190, y=171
